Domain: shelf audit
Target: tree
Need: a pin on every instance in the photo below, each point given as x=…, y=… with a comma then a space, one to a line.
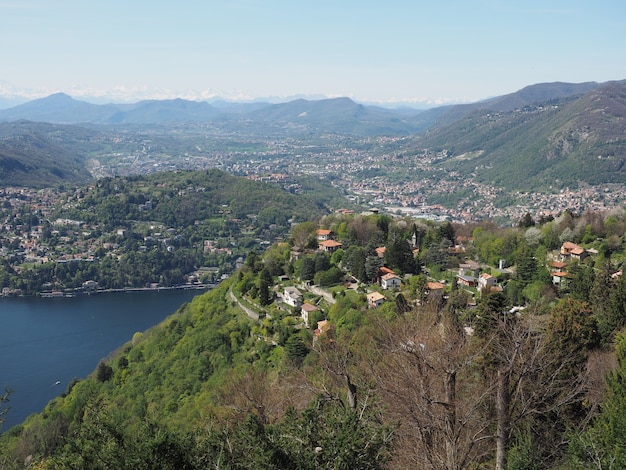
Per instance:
x=580, y=282
x=307, y=269
x=296, y=349
x=302, y=234
x=354, y=261
x=532, y=235
x=402, y=305
x=322, y=261
x=253, y=261
x=604, y=444
x=608, y=300
x=399, y=255
x=532, y=380
x=423, y=371
x=573, y=328
x=445, y=230
x=526, y=221
x=265, y=285
x=526, y=264
x=104, y=372
x=372, y=267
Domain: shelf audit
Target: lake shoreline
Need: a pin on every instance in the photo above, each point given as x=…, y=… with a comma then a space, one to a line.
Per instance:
x=79, y=291
x=45, y=341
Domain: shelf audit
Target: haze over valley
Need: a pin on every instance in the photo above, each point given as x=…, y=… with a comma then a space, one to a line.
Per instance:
x=544, y=149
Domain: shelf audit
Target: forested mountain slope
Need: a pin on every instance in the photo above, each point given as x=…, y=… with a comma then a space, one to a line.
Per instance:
x=551, y=144
x=422, y=379
x=33, y=160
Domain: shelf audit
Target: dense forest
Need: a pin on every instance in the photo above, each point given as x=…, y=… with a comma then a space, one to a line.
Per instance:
x=525, y=373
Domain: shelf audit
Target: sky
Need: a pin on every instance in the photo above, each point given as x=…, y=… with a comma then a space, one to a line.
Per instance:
x=413, y=51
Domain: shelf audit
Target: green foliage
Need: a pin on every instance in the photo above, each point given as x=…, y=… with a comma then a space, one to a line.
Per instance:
x=162, y=242
x=307, y=269
x=572, y=327
x=296, y=349
x=323, y=436
x=166, y=399
x=104, y=440
x=604, y=444
x=581, y=281
x=399, y=255
x=354, y=261
x=372, y=267
x=526, y=264
x=491, y=312
x=104, y=372
x=328, y=278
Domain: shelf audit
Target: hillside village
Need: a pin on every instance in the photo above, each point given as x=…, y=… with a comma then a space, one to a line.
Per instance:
x=461, y=279
x=47, y=253
x=31, y=238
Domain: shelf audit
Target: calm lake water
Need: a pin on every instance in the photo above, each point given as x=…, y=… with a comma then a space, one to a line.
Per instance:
x=45, y=343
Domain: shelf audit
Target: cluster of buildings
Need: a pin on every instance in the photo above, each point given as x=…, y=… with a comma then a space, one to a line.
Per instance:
x=373, y=172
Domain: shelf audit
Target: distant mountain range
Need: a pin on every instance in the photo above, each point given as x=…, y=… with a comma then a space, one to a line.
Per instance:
x=341, y=115
x=545, y=135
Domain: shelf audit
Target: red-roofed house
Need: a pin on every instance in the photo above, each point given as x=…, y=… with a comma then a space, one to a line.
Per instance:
x=322, y=327
x=323, y=234
x=569, y=249
x=330, y=245
x=390, y=281
x=375, y=299
x=558, y=277
x=435, y=289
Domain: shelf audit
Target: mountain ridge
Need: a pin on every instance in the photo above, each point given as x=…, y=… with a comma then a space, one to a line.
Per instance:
x=561, y=143
x=62, y=108
x=573, y=134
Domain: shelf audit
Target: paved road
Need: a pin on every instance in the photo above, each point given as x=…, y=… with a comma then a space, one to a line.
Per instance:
x=251, y=313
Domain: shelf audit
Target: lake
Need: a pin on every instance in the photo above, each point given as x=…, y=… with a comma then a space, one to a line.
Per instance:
x=45, y=343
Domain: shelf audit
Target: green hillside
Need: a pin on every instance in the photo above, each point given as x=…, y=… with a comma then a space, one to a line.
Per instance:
x=180, y=199
x=554, y=144
x=161, y=230
x=33, y=160
x=428, y=378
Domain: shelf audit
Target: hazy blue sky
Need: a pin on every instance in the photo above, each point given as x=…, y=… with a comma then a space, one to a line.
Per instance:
x=368, y=50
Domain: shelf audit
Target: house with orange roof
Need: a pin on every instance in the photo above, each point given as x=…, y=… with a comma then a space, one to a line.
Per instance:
x=330, y=246
x=434, y=290
x=322, y=327
x=385, y=270
x=390, y=281
x=324, y=234
x=558, y=277
x=572, y=250
x=375, y=299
